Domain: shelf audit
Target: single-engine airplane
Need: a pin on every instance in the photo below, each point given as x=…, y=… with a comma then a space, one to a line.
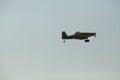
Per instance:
x=78, y=35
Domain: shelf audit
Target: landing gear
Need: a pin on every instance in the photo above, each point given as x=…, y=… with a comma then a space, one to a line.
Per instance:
x=64, y=41
x=87, y=40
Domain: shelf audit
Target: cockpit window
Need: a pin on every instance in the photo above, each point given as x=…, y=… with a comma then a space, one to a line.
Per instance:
x=77, y=32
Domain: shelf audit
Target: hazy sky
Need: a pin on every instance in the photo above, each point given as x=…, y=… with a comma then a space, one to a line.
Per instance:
x=31, y=47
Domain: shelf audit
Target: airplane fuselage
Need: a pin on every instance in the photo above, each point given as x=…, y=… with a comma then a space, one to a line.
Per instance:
x=78, y=35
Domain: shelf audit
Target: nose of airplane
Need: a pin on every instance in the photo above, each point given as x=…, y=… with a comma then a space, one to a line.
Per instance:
x=95, y=34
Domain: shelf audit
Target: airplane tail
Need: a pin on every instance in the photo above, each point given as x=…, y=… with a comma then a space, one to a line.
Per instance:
x=64, y=35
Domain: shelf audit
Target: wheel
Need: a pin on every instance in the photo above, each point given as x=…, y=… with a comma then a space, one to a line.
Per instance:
x=87, y=40
x=64, y=41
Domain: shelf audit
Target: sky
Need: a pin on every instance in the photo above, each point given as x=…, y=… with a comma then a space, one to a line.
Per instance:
x=31, y=47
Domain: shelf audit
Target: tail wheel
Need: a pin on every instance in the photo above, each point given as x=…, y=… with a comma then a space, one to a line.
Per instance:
x=87, y=40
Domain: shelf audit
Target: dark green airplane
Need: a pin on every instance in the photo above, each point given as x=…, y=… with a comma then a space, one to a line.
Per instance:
x=78, y=35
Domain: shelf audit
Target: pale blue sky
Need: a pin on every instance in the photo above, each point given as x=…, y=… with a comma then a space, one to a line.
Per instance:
x=31, y=47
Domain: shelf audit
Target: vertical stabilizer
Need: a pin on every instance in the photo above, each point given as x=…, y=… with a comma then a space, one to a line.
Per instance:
x=64, y=35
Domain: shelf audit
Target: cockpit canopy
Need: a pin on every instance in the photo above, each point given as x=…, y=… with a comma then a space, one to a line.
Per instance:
x=77, y=32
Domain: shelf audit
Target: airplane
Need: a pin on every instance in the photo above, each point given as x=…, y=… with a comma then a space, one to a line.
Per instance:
x=78, y=35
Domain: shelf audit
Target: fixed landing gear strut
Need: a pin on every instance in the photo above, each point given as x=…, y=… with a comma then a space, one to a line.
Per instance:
x=87, y=40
